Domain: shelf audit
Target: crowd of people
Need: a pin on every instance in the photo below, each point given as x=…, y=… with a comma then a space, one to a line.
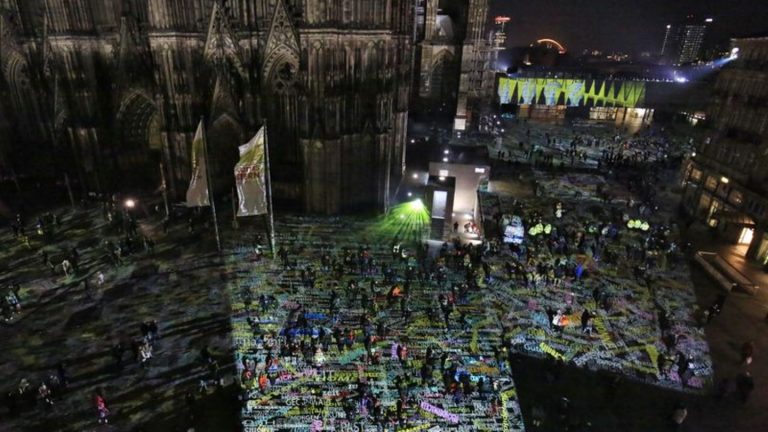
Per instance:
x=366, y=300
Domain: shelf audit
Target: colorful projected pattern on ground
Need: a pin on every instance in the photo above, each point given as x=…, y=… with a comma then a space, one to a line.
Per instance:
x=571, y=92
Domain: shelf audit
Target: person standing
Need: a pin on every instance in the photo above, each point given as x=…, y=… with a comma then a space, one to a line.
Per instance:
x=679, y=415
x=152, y=331
x=44, y=394
x=67, y=267
x=74, y=257
x=586, y=316
x=745, y=384
x=145, y=354
x=101, y=409
x=747, y=350
x=61, y=372
x=87, y=289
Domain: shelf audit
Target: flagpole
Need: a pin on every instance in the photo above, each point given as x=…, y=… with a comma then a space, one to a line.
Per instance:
x=210, y=190
x=270, y=210
x=235, y=225
x=165, y=191
x=69, y=191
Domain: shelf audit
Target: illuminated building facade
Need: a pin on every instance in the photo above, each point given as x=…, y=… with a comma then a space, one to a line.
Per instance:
x=726, y=182
x=108, y=89
x=683, y=41
x=548, y=98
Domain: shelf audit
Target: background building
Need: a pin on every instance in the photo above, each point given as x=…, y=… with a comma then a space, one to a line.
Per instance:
x=726, y=183
x=455, y=60
x=683, y=41
x=107, y=89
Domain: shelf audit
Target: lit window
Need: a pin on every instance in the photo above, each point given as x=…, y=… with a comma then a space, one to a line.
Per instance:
x=736, y=198
x=711, y=182
x=696, y=175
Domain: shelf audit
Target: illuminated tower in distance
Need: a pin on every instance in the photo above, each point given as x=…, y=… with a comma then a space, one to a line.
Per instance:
x=500, y=36
x=683, y=41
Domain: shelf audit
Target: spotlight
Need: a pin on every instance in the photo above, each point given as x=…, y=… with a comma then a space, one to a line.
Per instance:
x=417, y=205
x=441, y=178
x=693, y=154
x=446, y=151
x=445, y=159
x=735, y=52
x=415, y=175
x=129, y=203
x=410, y=193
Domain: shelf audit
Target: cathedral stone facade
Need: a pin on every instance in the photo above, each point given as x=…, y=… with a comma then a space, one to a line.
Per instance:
x=111, y=92
x=455, y=77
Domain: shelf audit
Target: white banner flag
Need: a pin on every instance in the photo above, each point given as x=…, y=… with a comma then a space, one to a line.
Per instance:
x=197, y=194
x=250, y=177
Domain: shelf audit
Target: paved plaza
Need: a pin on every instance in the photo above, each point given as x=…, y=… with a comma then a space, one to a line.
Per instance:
x=87, y=330
x=357, y=326
x=450, y=377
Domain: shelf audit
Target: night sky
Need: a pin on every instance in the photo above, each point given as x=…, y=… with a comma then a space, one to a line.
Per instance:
x=620, y=25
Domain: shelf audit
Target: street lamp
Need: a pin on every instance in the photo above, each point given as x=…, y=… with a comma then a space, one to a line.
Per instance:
x=129, y=203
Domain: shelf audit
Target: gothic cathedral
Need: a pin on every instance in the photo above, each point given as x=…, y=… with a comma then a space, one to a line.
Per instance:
x=111, y=91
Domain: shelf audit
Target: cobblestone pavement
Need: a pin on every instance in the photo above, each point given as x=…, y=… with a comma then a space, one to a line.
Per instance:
x=61, y=321
x=632, y=312
x=613, y=377
x=307, y=391
x=635, y=316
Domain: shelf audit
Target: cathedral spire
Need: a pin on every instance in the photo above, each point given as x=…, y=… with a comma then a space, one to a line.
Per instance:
x=220, y=44
x=223, y=101
x=133, y=58
x=47, y=52
x=282, y=41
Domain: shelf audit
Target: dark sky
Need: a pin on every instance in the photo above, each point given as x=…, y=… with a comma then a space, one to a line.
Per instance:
x=620, y=25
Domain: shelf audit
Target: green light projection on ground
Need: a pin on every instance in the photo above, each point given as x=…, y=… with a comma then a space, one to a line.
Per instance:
x=407, y=223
